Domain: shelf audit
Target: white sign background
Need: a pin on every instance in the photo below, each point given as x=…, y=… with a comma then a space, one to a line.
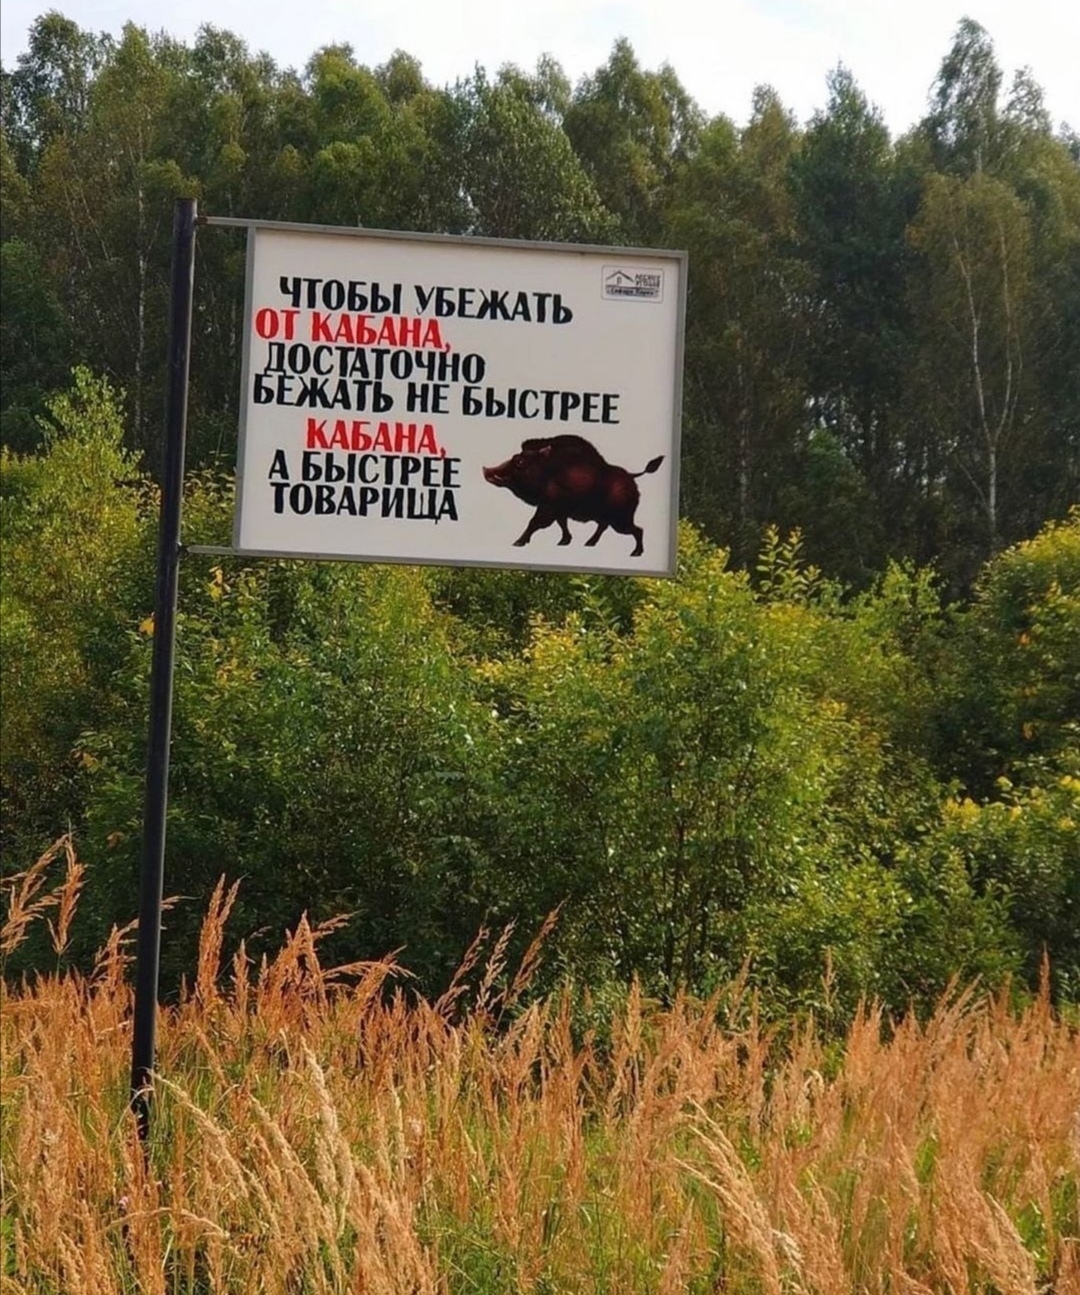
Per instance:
x=618, y=342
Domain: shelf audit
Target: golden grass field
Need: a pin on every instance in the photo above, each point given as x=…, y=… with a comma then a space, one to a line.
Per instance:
x=321, y=1131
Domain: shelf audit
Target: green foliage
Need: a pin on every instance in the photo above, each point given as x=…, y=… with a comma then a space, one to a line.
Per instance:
x=696, y=772
x=746, y=329
x=963, y=125
x=48, y=92
x=1015, y=689
x=733, y=776
x=74, y=547
x=525, y=180
x=34, y=346
x=854, y=197
x=975, y=311
x=1033, y=592
x=1021, y=849
x=882, y=352
x=834, y=379
x=632, y=130
x=1005, y=707
x=325, y=748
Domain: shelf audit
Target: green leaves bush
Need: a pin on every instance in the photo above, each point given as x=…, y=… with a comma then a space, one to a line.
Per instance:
x=701, y=773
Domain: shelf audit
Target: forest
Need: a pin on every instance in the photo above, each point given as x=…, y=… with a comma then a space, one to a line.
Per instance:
x=531, y=932
x=838, y=755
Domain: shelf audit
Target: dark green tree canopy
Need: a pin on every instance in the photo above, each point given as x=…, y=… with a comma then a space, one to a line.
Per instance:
x=834, y=298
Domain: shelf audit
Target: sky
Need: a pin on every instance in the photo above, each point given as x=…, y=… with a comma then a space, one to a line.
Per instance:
x=720, y=49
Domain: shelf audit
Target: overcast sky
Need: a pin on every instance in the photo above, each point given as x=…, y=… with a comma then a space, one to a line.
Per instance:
x=720, y=49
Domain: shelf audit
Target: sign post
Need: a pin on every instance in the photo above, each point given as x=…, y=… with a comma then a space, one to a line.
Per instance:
x=420, y=398
x=148, y=947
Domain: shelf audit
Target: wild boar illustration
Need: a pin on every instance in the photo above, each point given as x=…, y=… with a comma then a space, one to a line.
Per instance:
x=566, y=478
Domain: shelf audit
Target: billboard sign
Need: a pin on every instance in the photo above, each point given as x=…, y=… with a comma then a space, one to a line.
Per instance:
x=414, y=398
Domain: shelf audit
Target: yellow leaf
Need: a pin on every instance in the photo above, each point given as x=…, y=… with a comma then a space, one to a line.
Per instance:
x=147, y=626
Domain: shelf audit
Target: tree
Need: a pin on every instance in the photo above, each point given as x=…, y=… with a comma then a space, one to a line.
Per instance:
x=35, y=346
x=963, y=126
x=1047, y=180
x=48, y=93
x=73, y=558
x=325, y=747
x=1005, y=204
x=15, y=193
x=853, y=199
x=747, y=325
x=1006, y=711
x=105, y=200
x=522, y=176
x=976, y=313
x=1012, y=688
x=632, y=130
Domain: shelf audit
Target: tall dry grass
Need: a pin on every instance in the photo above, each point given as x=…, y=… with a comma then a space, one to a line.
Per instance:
x=324, y=1131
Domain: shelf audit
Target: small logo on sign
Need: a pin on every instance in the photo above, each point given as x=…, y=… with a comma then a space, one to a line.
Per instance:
x=623, y=283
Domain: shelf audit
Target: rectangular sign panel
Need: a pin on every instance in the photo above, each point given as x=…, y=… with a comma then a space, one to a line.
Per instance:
x=458, y=401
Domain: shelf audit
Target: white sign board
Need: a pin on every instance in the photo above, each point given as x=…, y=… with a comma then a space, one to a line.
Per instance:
x=411, y=398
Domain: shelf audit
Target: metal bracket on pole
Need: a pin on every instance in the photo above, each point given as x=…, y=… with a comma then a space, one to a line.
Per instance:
x=151, y=881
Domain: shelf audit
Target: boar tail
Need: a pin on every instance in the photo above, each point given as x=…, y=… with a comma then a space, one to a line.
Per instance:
x=651, y=466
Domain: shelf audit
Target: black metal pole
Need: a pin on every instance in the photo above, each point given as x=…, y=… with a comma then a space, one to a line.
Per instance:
x=151, y=881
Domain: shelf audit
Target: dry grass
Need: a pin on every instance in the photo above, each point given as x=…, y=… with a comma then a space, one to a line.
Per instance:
x=323, y=1131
